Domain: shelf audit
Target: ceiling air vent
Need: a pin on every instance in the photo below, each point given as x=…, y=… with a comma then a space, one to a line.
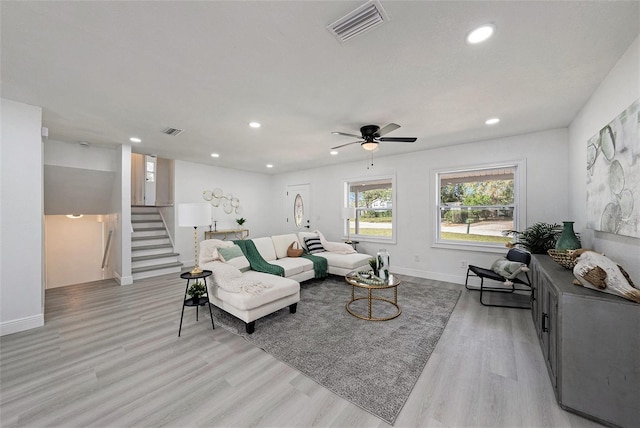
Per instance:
x=364, y=18
x=172, y=131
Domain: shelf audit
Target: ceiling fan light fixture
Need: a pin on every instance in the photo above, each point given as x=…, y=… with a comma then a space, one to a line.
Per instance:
x=370, y=145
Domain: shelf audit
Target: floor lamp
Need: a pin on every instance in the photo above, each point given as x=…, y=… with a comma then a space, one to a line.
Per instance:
x=194, y=215
x=347, y=214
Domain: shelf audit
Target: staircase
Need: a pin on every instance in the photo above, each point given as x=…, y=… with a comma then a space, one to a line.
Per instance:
x=152, y=253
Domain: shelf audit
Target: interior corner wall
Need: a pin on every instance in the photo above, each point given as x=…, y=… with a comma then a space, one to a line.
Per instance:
x=21, y=218
x=413, y=253
x=615, y=93
x=253, y=190
x=119, y=218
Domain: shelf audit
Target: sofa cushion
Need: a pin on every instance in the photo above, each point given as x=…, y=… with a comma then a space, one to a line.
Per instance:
x=265, y=248
x=281, y=287
x=345, y=261
x=313, y=245
x=241, y=263
x=294, y=265
x=282, y=242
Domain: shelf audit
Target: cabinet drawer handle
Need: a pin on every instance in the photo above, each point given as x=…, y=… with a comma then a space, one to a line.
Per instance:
x=544, y=322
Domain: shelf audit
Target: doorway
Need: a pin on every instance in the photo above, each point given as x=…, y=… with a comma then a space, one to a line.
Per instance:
x=298, y=207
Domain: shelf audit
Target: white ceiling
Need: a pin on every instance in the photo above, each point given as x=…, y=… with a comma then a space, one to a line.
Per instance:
x=105, y=71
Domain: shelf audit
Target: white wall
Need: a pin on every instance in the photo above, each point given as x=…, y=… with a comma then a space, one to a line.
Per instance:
x=253, y=190
x=616, y=92
x=73, y=249
x=546, y=155
x=21, y=230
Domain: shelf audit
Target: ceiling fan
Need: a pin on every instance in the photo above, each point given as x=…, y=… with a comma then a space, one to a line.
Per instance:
x=372, y=135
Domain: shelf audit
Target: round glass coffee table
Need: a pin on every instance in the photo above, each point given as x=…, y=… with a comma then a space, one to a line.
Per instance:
x=370, y=285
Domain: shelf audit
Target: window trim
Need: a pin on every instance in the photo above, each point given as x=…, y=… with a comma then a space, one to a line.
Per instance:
x=345, y=202
x=519, y=202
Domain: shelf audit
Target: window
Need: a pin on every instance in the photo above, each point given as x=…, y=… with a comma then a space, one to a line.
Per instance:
x=476, y=205
x=374, y=200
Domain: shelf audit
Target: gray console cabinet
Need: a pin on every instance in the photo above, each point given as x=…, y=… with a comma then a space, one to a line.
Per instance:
x=591, y=344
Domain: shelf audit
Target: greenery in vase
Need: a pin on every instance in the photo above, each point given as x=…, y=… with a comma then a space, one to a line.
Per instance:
x=537, y=238
x=197, y=289
x=374, y=266
x=241, y=221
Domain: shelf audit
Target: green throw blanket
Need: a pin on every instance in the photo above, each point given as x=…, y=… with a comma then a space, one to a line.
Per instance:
x=319, y=265
x=256, y=261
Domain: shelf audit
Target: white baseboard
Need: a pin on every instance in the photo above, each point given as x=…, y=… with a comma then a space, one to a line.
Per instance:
x=22, y=324
x=429, y=275
x=123, y=280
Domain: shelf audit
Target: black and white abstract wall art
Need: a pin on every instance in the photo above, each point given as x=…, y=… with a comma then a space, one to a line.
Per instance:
x=613, y=175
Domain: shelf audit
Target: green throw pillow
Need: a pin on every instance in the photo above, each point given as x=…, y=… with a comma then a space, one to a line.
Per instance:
x=230, y=253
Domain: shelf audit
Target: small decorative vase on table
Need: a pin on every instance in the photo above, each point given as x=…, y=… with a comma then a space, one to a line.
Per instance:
x=568, y=239
x=382, y=259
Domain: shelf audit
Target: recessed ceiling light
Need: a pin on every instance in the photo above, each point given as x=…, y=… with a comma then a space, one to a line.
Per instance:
x=492, y=121
x=269, y=165
x=74, y=215
x=480, y=34
x=135, y=140
x=215, y=155
x=254, y=124
x=333, y=152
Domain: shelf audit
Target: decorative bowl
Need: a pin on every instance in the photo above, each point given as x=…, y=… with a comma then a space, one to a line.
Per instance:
x=563, y=257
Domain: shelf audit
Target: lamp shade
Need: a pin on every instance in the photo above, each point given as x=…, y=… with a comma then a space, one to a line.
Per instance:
x=193, y=215
x=348, y=212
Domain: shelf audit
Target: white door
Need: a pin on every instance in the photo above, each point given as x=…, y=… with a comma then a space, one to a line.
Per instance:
x=150, y=180
x=298, y=207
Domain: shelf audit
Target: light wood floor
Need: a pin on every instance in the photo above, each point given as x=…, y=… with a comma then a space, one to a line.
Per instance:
x=110, y=356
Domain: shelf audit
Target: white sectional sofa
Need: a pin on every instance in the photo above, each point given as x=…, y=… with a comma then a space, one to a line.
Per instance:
x=247, y=294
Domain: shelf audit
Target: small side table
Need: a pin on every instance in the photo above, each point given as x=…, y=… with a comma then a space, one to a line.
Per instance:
x=354, y=244
x=203, y=299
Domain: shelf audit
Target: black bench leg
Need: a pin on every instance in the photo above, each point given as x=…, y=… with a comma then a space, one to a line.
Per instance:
x=292, y=308
x=251, y=327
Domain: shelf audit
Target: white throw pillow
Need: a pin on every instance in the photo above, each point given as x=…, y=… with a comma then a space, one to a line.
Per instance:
x=209, y=250
x=223, y=273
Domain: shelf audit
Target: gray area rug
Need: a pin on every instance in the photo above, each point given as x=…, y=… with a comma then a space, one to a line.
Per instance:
x=373, y=364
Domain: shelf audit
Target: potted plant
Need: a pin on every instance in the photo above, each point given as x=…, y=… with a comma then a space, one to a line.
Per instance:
x=197, y=290
x=241, y=221
x=537, y=238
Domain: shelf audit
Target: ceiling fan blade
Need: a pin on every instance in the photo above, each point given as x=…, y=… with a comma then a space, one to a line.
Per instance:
x=346, y=135
x=385, y=130
x=399, y=139
x=348, y=144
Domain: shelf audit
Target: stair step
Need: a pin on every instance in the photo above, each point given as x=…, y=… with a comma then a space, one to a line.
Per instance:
x=146, y=221
x=144, y=238
x=153, y=273
x=147, y=229
x=156, y=267
x=152, y=247
x=154, y=256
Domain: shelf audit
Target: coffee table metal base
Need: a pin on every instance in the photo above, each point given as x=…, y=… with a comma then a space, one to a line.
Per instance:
x=370, y=298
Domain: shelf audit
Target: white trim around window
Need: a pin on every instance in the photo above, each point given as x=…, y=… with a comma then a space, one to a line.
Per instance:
x=519, y=202
x=369, y=183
